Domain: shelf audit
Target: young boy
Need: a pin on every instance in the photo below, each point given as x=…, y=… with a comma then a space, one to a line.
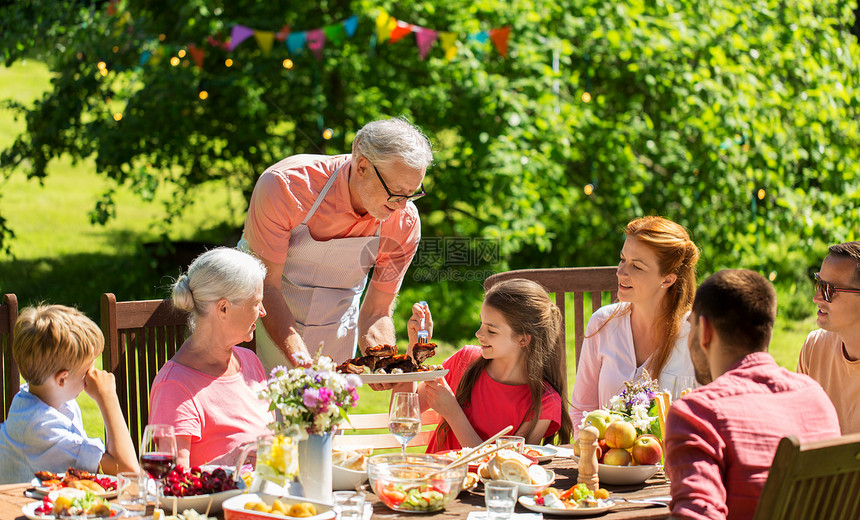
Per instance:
x=55, y=347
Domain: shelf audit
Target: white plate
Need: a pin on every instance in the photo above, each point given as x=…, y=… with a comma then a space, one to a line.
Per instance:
x=343, y=479
x=234, y=508
x=44, y=490
x=30, y=512
x=532, y=489
x=201, y=503
x=403, y=378
x=624, y=475
x=529, y=503
x=546, y=452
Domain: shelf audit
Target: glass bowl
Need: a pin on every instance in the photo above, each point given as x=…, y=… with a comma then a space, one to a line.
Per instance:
x=399, y=482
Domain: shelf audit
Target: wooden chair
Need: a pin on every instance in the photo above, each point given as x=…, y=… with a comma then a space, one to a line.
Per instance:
x=140, y=336
x=563, y=280
x=818, y=480
x=379, y=421
x=11, y=378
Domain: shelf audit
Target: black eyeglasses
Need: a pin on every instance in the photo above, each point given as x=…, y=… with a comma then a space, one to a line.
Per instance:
x=827, y=289
x=399, y=198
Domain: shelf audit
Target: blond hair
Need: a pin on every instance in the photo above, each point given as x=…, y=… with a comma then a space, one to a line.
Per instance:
x=52, y=338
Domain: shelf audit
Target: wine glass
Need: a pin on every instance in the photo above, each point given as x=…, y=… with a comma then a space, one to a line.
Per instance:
x=404, y=418
x=682, y=385
x=158, y=454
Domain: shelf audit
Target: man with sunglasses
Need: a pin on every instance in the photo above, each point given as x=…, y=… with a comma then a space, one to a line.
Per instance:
x=320, y=223
x=831, y=354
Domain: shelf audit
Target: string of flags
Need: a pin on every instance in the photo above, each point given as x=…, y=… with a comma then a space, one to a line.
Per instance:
x=388, y=29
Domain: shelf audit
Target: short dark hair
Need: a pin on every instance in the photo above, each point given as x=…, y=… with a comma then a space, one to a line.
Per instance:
x=851, y=251
x=741, y=306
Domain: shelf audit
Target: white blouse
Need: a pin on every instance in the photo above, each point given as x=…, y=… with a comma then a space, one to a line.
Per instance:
x=608, y=359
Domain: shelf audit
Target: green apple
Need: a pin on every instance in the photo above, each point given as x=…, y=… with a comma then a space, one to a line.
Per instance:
x=599, y=419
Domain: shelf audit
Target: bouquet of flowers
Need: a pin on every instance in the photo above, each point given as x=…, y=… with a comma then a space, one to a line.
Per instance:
x=312, y=400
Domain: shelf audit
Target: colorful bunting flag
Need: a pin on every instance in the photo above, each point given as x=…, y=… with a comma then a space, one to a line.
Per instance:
x=296, y=42
x=350, y=25
x=283, y=33
x=197, y=54
x=239, y=34
x=265, y=39
x=500, y=39
x=480, y=37
x=448, y=40
x=384, y=25
x=425, y=39
x=334, y=33
x=316, y=42
x=400, y=30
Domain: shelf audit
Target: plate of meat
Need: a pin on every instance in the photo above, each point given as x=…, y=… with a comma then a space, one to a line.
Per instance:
x=382, y=364
x=102, y=485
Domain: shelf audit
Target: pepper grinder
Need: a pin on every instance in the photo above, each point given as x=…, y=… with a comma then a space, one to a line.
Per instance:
x=588, y=458
x=423, y=336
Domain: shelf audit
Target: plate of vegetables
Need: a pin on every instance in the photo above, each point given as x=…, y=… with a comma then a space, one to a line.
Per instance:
x=70, y=502
x=576, y=501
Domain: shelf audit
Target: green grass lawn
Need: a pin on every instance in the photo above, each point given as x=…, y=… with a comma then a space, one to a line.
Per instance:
x=60, y=257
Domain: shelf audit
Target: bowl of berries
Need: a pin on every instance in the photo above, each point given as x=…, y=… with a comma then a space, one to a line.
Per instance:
x=200, y=488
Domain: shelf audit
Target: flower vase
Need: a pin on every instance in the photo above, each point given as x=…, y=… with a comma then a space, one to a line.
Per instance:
x=315, y=466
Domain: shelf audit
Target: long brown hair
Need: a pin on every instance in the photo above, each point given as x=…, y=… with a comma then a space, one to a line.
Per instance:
x=527, y=309
x=677, y=254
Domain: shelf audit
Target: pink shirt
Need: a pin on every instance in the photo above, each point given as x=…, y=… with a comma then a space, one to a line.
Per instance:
x=494, y=405
x=218, y=413
x=283, y=197
x=721, y=438
x=823, y=358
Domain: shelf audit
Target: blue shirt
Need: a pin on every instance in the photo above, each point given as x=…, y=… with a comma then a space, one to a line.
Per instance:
x=39, y=437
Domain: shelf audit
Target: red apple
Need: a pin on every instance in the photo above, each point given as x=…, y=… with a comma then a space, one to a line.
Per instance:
x=602, y=448
x=647, y=450
x=617, y=457
x=620, y=434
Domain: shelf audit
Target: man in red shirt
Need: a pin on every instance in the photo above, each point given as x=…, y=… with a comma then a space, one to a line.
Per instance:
x=721, y=437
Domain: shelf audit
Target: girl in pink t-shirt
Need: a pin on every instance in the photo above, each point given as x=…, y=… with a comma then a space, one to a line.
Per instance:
x=512, y=378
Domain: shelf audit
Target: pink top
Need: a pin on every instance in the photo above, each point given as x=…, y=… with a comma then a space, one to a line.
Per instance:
x=721, y=438
x=218, y=413
x=283, y=197
x=494, y=405
x=823, y=358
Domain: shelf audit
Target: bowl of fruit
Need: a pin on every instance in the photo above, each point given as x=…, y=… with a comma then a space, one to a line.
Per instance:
x=623, y=457
x=405, y=483
x=200, y=488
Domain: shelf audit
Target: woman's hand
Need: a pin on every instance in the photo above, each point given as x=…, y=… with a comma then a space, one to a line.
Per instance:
x=440, y=397
x=414, y=324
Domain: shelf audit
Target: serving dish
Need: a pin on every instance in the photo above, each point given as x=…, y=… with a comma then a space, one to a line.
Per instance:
x=546, y=452
x=406, y=377
x=532, y=489
x=40, y=489
x=399, y=481
x=29, y=511
x=528, y=502
x=201, y=503
x=234, y=508
x=624, y=475
x=345, y=479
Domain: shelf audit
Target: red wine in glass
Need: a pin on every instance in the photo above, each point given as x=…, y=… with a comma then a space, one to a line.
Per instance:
x=157, y=464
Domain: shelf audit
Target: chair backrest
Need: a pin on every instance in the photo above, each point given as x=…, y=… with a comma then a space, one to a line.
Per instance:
x=819, y=479
x=11, y=378
x=563, y=280
x=378, y=440
x=139, y=337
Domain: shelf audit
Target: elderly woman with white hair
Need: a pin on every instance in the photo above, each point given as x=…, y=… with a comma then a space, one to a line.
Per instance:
x=208, y=390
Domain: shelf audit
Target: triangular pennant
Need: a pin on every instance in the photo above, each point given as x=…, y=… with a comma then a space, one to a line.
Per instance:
x=500, y=39
x=144, y=57
x=448, y=40
x=425, y=39
x=265, y=39
x=384, y=25
x=239, y=34
x=480, y=37
x=334, y=33
x=350, y=25
x=197, y=54
x=296, y=42
x=400, y=30
x=283, y=33
x=316, y=42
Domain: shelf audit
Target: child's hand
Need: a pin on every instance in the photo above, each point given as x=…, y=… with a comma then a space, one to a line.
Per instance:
x=414, y=324
x=440, y=397
x=99, y=384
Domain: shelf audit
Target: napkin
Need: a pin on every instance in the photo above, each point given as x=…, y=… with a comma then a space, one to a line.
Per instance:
x=482, y=515
x=564, y=452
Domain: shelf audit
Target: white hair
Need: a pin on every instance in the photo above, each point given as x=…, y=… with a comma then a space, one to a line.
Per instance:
x=387, y=140
x=222, y=272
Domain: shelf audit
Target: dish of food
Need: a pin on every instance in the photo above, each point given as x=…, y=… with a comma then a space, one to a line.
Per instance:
x=541, y=453
x=624, y=475
x=77, y=502
x=403, y=378
x=384, y=360
x=529, y=503
x=102, y=485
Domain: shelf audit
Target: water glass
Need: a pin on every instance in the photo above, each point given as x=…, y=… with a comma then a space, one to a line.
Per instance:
x=682, y=385
x=131, y=491
x=514, y=442
x=349, y=505
x=500, y=497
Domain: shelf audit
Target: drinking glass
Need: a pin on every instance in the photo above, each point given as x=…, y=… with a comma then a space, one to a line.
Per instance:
x=514, y=442
x=404, y=418
x=500, y=497
x=349, y=505
x=683, y=384
x=130, y=491
x=158, y=454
